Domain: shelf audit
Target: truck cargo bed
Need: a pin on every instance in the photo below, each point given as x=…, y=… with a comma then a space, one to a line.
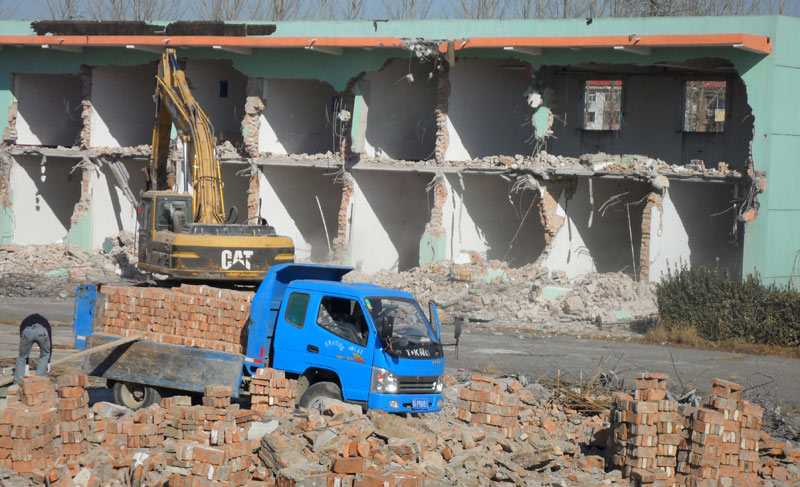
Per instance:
x=161, y=365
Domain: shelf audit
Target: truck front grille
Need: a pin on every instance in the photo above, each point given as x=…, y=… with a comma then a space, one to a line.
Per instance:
x=417, y=384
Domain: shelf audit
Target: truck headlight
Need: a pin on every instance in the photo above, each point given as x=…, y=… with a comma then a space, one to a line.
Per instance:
x=384, y=381
x=440, y=383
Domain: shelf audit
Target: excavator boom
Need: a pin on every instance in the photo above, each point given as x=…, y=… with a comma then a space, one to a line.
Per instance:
x=176, y=105
x=186, y=236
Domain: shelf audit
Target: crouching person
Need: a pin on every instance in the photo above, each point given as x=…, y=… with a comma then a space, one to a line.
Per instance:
x=34, y=329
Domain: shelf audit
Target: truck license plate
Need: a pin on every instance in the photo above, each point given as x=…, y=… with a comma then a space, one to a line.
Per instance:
x=419, y=404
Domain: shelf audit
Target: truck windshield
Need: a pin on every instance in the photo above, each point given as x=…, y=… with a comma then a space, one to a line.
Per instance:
x=412, y=336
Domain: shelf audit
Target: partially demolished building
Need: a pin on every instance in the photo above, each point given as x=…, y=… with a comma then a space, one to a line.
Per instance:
x=627, y=145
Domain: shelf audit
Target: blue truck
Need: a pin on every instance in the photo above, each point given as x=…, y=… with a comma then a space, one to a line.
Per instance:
x=360, y=343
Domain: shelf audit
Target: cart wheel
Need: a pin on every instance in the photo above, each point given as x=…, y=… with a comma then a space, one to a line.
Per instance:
x=135, y=396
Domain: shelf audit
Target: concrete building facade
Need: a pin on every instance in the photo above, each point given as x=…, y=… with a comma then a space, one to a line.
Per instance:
x=630, y=145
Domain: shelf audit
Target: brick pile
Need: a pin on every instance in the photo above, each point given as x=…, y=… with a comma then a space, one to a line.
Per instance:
x=215, y=450
x=487, y=403
x=111, y=436
x=715, y=445
x=206, y=445
x=204, y=424
x=147, y=430
x=270, y=387
x=73, y=407
x=722, y=448
x=190, y=315
x=779, y=457
x=644, y=432
x=30, y=427
x=342, y=452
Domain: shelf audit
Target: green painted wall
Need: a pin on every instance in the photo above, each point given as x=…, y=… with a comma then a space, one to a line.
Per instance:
x=7, y=222
x=432, y=248
x=80, y=232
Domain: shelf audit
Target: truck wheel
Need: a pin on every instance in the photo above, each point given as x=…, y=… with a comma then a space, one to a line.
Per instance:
x=316, y=392
x=135, y=396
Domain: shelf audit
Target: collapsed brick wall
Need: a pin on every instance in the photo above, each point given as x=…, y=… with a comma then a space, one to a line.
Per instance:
x=435, y=226
x=345, y=119
x=10, y=132
x=548, y=212
x=251, y=124
x=340, y=244
x=86, y=107
x=253, y=188
x=443, y=95
x=81, y=208
x=189, y=316
x=654, y=200
x=5, y=178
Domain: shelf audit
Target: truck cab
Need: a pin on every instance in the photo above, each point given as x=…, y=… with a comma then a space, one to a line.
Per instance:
x=363, y=343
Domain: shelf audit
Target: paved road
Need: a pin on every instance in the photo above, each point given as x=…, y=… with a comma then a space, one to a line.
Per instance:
x=528, y=354
x=536, y=356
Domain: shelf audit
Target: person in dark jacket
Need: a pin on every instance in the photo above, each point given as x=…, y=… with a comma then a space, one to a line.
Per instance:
x=34, y=329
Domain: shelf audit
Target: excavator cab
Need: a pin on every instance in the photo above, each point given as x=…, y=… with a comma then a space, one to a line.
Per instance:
x=171, y=243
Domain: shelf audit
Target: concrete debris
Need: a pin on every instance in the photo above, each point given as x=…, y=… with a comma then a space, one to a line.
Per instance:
x=639, y=166
x=56, y=269
x=495, y=295
x=491, y=431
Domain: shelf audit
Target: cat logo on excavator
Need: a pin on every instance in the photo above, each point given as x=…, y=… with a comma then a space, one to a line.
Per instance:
x=229, y=258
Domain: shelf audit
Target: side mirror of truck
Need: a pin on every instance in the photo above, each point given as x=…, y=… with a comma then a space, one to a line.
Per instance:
x=387, y=327
x=457, y=333
x=434, y=319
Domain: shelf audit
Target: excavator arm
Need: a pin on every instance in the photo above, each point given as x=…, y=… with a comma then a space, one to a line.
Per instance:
x=176, y=105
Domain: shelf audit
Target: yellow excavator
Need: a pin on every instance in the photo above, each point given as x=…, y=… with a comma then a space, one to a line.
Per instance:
x=186, y=235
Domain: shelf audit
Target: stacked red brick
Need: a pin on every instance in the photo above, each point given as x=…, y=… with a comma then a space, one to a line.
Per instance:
x=270, y=387
x=147, y=430
x=486, y=403
x=634, y=432
x=737, y=424
x=645, y=432
x=192, y=316
x=652, y=387
x=223, y=453
x=716, y=445
x=73, y=406
x=29, y=426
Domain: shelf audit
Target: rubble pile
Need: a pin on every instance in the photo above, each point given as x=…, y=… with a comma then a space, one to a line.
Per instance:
x=486, y=403
x=56, y=269
x=189, y=316
x=493, y=294
x=270, y=387
x=644, y=440
x=588, y=164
